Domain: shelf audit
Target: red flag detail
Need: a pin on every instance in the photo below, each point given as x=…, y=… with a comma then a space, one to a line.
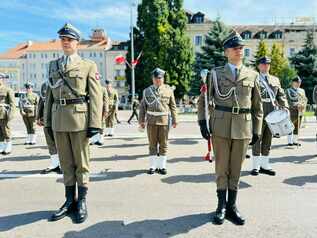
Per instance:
x=208, y=157
x=120, y=59
x=135, y=62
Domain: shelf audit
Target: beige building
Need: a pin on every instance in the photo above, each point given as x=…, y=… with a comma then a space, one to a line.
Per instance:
x=290, y=36
x=29, y=61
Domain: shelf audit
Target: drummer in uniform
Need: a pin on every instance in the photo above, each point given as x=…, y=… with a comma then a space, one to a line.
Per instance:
x=54, y=160
x=28, y=107
x=236, y=116
x=7, y=110
x=297, y=101
x=158, y=100
x=271, y=90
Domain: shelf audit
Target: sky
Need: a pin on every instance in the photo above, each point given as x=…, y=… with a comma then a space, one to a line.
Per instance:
x=39, y=20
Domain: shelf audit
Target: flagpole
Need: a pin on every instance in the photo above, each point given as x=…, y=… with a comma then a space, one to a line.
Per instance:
x=132, y=55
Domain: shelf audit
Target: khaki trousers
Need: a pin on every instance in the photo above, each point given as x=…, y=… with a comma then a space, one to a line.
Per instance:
x=157, y=135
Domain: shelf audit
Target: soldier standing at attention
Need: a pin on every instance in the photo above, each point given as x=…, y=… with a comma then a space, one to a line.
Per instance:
x=7, y=110
x=158, y=100
x=135, y=106
x=271, y=90
x=113, y=107
x=28, y=108
x=54, y=160
x=297, y=101
x=234, y=92
x=73, y=112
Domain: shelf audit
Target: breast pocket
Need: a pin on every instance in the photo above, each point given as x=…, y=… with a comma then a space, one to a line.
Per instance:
x=75, y=79
x=247, y=87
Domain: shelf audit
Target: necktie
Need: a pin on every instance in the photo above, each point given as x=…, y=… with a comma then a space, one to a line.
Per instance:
x=236, y=74
x=67, y=59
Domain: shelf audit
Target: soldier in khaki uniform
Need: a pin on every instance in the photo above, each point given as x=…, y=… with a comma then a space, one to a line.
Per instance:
x=54, y=160
x=73, y=111
x=297, y=101
x=135, y=106
x=158, y=101
x=98, y=139
x=7, y=110
x=236, y=117
x=28, y=108
x=271, y=90
x=113, y=108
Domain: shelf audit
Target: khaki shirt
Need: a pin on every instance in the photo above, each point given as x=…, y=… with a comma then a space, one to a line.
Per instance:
x=28, y=104
x=278, y=94
x=297, y=100
x=248, y=95
x=105, y=97
x=113, y=97
x=158, y=100
x=7, y=103
x=83, y=78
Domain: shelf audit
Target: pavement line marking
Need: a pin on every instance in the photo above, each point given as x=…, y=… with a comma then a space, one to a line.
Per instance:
x=17, y=175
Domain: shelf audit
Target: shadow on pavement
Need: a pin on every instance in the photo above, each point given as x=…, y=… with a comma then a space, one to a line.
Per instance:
x=42, y=147
x=301, y=180
x=10, y=222
x=121, y=146
x=186, y=141
x=201, y=178
x=23, y=158
x=27, y=172
x=194, y=159
x=142, y=229
x=293, y=159
x=113, y=175
x=120, y=158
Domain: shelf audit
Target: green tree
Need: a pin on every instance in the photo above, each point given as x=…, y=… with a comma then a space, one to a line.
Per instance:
x=305, y=62
x=212, y=54
x=286, y=74
x=278, y=62
x=161, y=25
x=262, y=50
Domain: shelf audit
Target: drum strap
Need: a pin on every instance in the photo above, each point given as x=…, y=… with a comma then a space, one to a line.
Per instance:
x=269, y=91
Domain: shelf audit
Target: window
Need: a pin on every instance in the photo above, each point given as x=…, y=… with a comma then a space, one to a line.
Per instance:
x=199, y=19
x=246, y=35
x=100, y=54
x=117, y=73
x=53, y=55
x=90, y=54
x=95, y=55
x=263, y=35
x=247, y=52
x=45, y=56
x=291, y=51
x=35, y=76
x=34, y=56
x=42, y=55
x=198, y=40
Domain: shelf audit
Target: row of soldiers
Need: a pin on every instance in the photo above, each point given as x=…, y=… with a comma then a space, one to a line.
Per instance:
x=74, y=111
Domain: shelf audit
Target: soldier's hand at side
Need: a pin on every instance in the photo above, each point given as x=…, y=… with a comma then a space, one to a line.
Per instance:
x=174, y=125
x=142, y=125
x=50, y=133
x=91, y=131
x=203, y=129
x=255, y=138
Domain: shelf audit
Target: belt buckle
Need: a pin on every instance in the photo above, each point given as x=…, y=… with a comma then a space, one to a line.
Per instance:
x=62, y=102
x=235, y=110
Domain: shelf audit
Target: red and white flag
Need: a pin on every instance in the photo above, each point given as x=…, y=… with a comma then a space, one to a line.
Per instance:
x=120, y=59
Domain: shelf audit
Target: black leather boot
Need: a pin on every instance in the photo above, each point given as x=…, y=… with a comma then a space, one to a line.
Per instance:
x=232, y=212
x=68, y=206
x=220, y=214
x=81, y=213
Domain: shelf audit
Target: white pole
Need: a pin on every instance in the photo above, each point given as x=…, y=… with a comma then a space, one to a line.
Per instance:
x=132, y=54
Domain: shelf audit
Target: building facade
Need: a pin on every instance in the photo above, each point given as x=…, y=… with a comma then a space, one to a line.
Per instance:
x=290, y=36
x=29, y=61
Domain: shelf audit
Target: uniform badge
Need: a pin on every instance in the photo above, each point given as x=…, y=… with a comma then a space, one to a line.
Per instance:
x=97, y=76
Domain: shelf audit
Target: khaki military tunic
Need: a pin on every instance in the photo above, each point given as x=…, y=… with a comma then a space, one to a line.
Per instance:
x=297, y=101
x=40, y=118
x=28, y=108
x=113, y=106
x=232, y=131
x=7, y=110
x=269, y=85
x=155, y=107
x=70, y=121
x=105, y=109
